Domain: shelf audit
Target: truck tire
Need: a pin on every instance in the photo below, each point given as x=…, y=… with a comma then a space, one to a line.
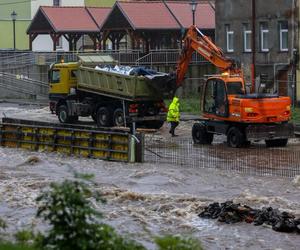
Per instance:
x=118, y=118
x=200, y=134
x=63, y=116
x=235, y=138
x=276, y=143
x=103, y=117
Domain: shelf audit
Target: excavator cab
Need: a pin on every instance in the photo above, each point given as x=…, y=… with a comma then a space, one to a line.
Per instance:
x=215, y=99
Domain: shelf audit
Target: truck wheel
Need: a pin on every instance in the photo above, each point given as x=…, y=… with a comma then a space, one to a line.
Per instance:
x=200, y=135
x=235, y=138
x=118, y=119
x=62, y=114
x=103, y=117
x=276, y=143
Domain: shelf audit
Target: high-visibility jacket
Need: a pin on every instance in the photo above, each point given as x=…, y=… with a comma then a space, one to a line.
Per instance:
x=173, y=113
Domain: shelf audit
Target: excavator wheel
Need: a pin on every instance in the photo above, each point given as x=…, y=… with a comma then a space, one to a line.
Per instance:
x=200, y=134
x=235, y=138
x=276, y=143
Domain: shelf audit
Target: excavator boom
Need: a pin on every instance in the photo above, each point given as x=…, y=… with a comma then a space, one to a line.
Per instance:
x=195, y=40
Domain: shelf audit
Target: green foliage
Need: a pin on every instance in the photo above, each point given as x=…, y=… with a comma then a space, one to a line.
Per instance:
x=170, y=242
x=74, y=222
x=296, y=115
x=25, y=237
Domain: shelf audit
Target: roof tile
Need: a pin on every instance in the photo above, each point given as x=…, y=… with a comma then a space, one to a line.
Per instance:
x=70, y=19
x=204, y=15
x=148, y=15
x=99, y=14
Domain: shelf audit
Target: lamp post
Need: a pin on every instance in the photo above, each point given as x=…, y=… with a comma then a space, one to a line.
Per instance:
x=193, y=4
x=13, y=18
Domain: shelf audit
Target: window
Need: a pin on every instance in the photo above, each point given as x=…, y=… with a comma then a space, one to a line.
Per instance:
x=264, y=37
x=54, y=76
x=247, y=38
x=229, y=39
x=73, y=74
x=283, y=36
x=59, y=42
x=56, y=2
x=215, y=98
x=235, y=88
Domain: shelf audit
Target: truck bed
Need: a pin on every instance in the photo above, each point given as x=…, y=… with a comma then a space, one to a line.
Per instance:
x=122, y=86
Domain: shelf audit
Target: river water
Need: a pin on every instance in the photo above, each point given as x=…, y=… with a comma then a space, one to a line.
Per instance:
x=146, y=200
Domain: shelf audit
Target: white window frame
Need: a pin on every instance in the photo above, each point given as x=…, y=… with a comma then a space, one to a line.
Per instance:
x=247, y=35
x=281, y=31
x=264, y=32
x=59, y=3
x=229, y=33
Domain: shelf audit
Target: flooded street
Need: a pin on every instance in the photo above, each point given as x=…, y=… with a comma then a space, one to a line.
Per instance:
x=150, y=199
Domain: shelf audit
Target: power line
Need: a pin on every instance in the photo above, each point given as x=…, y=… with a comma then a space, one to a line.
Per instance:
x=11, y=3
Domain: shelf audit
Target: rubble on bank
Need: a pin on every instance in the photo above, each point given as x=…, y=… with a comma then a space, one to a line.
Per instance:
x=230, y=212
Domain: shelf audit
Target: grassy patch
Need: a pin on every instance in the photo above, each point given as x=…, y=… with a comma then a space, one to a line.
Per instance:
x=170, y=242
x=296, y=115
x=188, y=105
x=11, y=246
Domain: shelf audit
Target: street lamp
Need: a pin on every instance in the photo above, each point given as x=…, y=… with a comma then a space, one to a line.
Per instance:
x=13, y=18
x=193, y=4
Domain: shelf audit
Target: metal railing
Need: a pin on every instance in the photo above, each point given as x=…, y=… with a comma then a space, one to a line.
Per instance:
x=167, y=57
x=23, y=85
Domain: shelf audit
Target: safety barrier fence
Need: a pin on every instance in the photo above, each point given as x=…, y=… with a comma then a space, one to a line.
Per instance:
x=113, y=145
x=257, y=159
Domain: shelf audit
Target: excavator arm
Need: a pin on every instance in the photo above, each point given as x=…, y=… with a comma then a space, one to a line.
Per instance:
x=195, y=40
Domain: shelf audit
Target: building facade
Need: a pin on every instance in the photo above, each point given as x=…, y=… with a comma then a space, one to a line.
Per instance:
x=262, y=36
x=25, y=11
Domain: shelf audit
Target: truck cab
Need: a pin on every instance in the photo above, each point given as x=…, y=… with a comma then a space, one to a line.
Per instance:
x=62, y=78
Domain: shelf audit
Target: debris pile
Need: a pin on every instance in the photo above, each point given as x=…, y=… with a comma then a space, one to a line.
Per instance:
x=127, y=70
x=230, y=212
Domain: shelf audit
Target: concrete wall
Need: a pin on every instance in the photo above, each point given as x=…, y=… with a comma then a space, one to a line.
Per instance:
x=238, y=12
x=6, y=34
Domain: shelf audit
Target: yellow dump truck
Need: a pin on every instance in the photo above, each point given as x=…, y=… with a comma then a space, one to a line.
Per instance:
x=110, y=98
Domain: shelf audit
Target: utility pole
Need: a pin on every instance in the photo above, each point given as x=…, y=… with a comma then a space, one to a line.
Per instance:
x=253, y=47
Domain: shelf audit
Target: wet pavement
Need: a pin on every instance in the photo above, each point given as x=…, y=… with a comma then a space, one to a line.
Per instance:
x=145, y=200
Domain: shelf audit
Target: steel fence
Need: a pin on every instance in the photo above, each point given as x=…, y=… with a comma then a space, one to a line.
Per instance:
x=257, y=160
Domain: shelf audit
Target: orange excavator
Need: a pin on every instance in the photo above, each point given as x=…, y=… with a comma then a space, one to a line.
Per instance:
x=227, y=108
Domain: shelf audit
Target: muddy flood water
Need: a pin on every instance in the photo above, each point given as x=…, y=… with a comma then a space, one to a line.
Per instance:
x=149, y=199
